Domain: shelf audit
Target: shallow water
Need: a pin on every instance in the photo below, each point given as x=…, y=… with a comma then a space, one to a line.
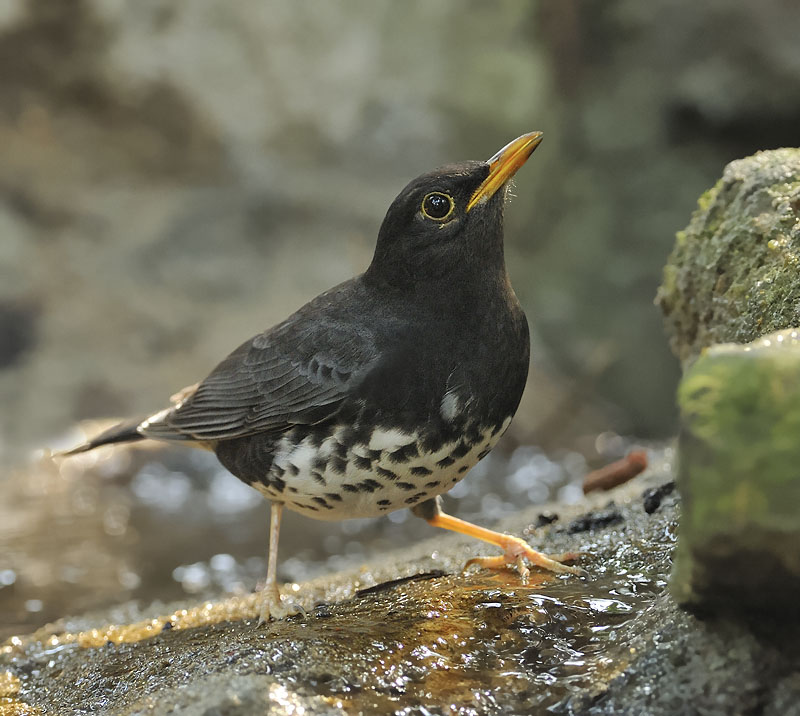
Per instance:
x=483, y=643
x=465, y=640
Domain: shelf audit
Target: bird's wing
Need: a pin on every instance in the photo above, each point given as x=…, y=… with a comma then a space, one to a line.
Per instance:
x=296, y=373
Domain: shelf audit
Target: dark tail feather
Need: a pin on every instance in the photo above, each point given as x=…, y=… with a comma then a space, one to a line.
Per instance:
x=120, y=433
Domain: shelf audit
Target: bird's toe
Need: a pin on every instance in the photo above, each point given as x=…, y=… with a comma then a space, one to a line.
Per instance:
x=517, y=552
x=271, y=605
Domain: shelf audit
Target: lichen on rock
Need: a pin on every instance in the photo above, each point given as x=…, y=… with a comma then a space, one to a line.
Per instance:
x=732, y=275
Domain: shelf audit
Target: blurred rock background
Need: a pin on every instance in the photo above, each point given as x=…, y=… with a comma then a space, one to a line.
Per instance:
x=178, y=174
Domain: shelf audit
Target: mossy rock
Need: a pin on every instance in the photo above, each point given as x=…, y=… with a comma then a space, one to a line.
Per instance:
x=733, y=273
x=739, y=476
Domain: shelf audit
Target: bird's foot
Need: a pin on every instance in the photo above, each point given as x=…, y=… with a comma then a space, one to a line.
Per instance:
x=517, y=552
x=271, y=605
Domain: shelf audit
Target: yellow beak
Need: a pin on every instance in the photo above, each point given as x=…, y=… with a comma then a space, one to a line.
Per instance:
x=503, y=166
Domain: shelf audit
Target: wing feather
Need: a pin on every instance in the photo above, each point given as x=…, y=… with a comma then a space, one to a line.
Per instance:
x=298, y=372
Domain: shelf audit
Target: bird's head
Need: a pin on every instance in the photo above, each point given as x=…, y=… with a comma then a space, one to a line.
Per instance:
x=450, y=220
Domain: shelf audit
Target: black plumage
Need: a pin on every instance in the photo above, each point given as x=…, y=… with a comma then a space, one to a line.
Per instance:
x=431, y=314
x=382, y=392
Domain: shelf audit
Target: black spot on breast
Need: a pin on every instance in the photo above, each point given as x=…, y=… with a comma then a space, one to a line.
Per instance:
x=335, y=496
x=277, y=470
x=415, y=498
x=369, y=485
x=338, y=464
x=445, y=462
x=463, y=469
x=340, y=450
x=306, y=507
x=384, y=502
x=349, y=488
x=483, y=453
x=473, y=435
x=362, y=463
x=432, y=483
x=374, y=454
x=293, y=489
x=406, y=486
x=388, y=474
x=278, y=483
x=321, y=501
x=318, y=477
x=293, y=469
x=432, y=442
x=359, y=430
x=420, y=471
x=460, y=450
x=317, y=437
x=405, y=453
x=319, y=463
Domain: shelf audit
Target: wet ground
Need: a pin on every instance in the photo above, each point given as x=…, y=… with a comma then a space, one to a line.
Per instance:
x=407, y=633
x=474, y=645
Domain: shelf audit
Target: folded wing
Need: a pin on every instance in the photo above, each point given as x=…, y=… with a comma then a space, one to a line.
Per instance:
x=299, y=372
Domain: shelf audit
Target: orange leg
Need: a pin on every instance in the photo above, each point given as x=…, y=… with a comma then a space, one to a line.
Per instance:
x=516, y=550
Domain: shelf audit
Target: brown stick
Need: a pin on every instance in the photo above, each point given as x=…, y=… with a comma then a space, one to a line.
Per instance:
x=616, y=473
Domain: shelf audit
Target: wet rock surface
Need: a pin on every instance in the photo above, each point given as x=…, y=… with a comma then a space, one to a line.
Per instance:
x=738, y=476
x=438, y=643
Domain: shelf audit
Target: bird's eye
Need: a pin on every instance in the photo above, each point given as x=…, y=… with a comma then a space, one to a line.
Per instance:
x=437, y=206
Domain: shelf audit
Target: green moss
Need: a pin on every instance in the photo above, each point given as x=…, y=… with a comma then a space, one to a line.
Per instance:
x=739, y=464
x=732, y=275
x=708, y=197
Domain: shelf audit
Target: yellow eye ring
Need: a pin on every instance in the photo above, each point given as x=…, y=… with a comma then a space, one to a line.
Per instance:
x=437, y=206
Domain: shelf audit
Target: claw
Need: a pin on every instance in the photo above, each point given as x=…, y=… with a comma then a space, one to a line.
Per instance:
x=271, y=605
x=523, y=570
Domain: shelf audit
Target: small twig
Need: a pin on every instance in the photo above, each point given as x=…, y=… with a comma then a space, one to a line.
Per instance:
x=616, y=473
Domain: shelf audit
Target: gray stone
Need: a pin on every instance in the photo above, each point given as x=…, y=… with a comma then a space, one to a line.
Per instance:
x=739, y=477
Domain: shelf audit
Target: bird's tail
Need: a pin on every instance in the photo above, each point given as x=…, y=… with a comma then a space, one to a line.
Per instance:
x=125, y=432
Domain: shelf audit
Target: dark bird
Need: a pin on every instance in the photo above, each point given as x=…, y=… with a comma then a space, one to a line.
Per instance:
x=381, y=393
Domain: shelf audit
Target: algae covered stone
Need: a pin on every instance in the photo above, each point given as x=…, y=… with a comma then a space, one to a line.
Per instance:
x=733, y=273
x=739, y=476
